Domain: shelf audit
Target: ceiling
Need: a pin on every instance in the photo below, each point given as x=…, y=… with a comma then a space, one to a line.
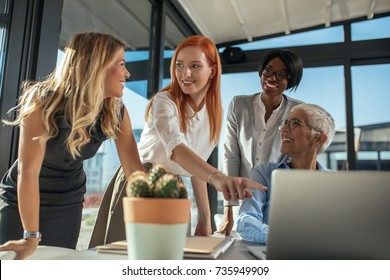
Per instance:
x=235, y=20
x=223, y=21
x=125, y=19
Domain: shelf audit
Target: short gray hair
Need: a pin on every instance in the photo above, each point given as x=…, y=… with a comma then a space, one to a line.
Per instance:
x=320, y=119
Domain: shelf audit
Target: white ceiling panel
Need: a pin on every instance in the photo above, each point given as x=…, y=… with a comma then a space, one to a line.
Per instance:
x=218, y=19
x=223, y=21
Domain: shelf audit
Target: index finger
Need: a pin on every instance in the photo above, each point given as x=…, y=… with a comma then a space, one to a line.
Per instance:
x=248, y=184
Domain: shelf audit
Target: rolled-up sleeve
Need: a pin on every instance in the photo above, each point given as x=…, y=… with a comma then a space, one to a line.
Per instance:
x=252, y=224
x=166, y=122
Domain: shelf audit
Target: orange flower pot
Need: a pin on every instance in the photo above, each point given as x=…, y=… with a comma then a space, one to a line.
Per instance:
x=156, y=228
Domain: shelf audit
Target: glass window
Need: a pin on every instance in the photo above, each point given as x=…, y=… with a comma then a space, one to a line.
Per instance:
x=4, y=10
x=173, y=36
x=136, y=55
x=372, y=116
x=139, y=87
x=166, y=82
x=322, y=36
x=370, y=94
x=371, y=29
x=168, y=53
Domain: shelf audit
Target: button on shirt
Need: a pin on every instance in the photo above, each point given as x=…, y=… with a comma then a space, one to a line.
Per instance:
x=252, y=223
x=267, y=146
x=161, y=134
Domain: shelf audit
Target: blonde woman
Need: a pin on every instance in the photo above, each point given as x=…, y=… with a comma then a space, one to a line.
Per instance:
x=63, y=120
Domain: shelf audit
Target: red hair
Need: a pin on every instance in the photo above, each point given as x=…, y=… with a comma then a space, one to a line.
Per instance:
x=212, y=97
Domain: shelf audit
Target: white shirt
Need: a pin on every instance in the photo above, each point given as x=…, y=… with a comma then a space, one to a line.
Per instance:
x=162, y=134
x=266, y=148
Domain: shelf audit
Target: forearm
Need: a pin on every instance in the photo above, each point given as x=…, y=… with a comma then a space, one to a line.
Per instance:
x=231, y=187
x=31, y=155
x=127, y=147
x=251, y=229
x=28, y=202
x=192, y=163
x=250, y=224
x=129, y=158
x=201, y=198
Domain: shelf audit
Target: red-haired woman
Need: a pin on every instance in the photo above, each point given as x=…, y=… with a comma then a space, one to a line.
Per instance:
x=183, y=125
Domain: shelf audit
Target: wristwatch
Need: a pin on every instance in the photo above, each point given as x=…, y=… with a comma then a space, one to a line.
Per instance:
x=32, y=234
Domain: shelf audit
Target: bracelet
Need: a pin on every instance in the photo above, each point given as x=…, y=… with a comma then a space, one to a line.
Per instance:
x=32, y=234
x=230, y=203
x=212, y=174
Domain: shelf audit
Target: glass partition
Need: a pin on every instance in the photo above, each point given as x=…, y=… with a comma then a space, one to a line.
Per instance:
x=321, y=36
x=371, y=114
x=4, y=16
x=371, y=29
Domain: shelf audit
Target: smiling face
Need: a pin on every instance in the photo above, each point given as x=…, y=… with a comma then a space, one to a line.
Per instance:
x=300, y=141
x=193, y=72
x=116, y=77
x=271, y=85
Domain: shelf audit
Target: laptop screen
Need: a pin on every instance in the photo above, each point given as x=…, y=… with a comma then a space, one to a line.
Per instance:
x=329, y=215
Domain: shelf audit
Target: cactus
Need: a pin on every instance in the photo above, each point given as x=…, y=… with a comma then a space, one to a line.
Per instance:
x=155, y=173
x=157, y=183
x=138, y=185
x=182, y=191
x=166, y=187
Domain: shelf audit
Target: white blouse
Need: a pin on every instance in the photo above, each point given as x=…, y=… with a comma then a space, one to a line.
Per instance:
x=161, y=134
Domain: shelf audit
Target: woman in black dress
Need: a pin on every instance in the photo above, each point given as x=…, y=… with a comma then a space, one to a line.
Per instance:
x=63, y=120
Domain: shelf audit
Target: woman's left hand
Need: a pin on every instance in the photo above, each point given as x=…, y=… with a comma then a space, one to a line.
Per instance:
x=203, y=228
x=22, y=247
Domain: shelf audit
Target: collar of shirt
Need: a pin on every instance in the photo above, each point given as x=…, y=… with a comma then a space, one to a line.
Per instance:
x=287, y=159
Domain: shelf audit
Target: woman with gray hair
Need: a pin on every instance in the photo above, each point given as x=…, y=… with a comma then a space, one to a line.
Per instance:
x=307, y=132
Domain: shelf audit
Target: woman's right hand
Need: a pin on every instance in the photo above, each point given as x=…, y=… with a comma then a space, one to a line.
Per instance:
x=227, y=223
x=22, y=247
x=234, y=188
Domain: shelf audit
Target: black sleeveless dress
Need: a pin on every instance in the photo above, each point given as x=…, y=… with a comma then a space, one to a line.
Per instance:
x=62, y=185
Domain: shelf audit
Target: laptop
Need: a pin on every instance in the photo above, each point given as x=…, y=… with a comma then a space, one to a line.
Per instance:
x=329, y=215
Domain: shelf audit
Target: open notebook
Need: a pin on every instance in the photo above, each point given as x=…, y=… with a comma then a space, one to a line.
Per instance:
x=196, y=247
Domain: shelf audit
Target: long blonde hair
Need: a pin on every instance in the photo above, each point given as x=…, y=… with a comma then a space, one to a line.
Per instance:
x=76, y=92
x=212, y=97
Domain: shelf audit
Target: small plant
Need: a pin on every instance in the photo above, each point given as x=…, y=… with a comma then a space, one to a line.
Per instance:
x=157, y=183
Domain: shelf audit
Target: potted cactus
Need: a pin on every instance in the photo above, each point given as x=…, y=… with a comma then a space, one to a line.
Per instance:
x=156, y=213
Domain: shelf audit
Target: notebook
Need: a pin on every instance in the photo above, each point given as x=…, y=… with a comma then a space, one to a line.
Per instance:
x=207, y=247
x=195, y=247
x=329, y=215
